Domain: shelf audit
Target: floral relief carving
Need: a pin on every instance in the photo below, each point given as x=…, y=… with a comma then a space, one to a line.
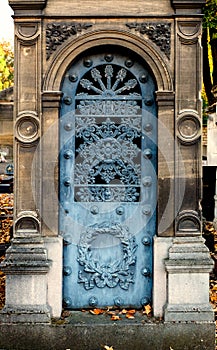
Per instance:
x=159, y=33
x=108, y=136
x=57, y=33
x=107, y=273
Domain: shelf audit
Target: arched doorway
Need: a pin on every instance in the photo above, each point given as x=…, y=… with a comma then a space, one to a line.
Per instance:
x=108, y=159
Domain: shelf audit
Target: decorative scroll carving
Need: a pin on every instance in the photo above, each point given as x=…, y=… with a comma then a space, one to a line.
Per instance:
x=57, y=33
x=159, y=33
x=106, y=89
x=107, y=194
x=108, y=136
x=128, y=130
x=108, y=107
x=96, y=273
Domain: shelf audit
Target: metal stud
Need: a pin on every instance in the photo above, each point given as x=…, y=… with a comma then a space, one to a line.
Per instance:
x=118, y=301
x=147, y=153
x=120, y=210
x=143, y=78
x=146, y=210
x=67, y=181
x=67, y=240
x=145, y=301
x=94, y=210
x=149, y=101
x=146, y=241
x=129, y=63
x=147, y=181
x=67, y=302
x=68, y=126
x=67, y=270
x=109, y=57
x=88, y=62
x=68, y=154
x=67, y=100
x=93, y=301
x=73, y=78
x=146, y=272
x=148, y=127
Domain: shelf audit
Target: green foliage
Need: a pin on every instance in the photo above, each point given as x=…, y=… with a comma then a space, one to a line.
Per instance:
x=210, y=14
x=205, y=105
x=6, y=66
x=209, y=42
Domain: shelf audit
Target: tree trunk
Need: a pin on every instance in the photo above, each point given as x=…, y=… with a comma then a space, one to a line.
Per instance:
x=206, y=68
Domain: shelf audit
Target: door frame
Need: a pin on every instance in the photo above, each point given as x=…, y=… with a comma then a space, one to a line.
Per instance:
x=51, y=96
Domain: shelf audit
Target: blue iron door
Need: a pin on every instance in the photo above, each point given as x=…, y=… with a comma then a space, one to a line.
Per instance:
x=107, y=180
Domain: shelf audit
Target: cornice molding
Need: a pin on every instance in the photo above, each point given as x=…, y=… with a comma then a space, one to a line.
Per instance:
x=194, y=5
x=27, y=4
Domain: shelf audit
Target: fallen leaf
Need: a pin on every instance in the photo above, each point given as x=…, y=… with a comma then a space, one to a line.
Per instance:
x=111, y=312
x=124, y=311
x=129, y=316
x=115, y=318
x=66, y=313
x=97, y=311
x=147, y=310
x=108, y=347
x=131, y=312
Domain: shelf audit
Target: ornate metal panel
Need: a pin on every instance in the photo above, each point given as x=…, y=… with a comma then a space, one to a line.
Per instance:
x=107, y=179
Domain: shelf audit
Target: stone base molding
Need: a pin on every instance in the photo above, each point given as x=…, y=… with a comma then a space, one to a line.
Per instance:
x=188, y=268
x=26, y=266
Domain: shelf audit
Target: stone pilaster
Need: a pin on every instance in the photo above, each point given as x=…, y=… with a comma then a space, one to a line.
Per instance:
x=26, y=264
x=189, y=263
x=166, y=105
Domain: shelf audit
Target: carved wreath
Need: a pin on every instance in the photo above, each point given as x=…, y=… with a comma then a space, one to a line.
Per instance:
x=96, y=273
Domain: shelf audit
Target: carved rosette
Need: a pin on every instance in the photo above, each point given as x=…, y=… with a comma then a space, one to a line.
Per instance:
x=57, y=33
x=159, y=33
x=98, y=273
x=27, y=127
x=188, y=127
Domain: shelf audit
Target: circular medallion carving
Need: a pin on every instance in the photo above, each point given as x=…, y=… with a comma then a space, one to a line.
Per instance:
x=188, y=127
x=27, y=127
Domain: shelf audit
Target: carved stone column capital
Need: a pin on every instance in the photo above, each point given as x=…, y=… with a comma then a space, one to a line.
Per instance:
x=165, y=98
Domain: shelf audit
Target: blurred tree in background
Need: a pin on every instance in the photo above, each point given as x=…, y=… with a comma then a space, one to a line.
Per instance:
x=209, y=43
x=6, y=65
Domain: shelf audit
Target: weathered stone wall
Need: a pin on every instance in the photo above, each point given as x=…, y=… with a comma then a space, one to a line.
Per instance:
x=6, y=126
